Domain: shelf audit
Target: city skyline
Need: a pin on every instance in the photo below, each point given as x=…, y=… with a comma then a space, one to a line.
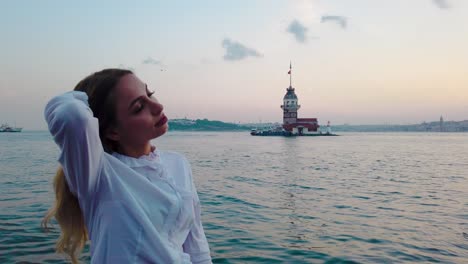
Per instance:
x=391, y=62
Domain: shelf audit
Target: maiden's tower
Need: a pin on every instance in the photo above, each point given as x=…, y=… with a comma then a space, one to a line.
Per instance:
x=291, y=121
x=292, y=124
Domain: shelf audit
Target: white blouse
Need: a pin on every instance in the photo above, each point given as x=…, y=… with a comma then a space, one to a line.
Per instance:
x=136, y=210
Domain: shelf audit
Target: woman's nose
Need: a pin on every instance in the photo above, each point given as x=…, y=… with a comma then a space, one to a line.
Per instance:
x=156, y=107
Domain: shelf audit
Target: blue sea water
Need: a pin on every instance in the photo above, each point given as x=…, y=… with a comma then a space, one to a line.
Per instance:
x=357, y=198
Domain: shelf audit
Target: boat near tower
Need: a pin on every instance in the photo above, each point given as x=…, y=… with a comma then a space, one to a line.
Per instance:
x=292, y=124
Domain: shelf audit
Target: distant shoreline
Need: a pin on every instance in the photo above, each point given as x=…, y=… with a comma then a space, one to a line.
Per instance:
x=205, y=125
x=208, y=125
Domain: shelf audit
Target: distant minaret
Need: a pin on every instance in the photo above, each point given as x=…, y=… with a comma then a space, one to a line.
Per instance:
x=328, y=128
x=441, y=124
x=290, y=102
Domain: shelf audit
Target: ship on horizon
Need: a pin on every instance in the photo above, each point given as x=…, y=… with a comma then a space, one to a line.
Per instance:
x=7, y=128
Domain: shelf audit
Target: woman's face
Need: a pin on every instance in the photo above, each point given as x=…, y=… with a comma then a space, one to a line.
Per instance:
x=139, y=116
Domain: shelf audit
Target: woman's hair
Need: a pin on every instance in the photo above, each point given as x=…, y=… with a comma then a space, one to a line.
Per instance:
x=99, y=87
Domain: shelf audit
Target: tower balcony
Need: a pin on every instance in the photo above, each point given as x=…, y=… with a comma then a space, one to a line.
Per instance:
x=290, y=107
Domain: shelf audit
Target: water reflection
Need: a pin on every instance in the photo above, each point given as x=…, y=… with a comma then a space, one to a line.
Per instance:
x=298, y=231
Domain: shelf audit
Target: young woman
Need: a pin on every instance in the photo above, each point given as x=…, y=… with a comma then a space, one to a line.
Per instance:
x=135, y=203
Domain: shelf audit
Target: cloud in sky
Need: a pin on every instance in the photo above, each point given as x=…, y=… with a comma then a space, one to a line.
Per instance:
x=298, y=30
x=152, y=61
x=442, y=4
x=122, y=66
x=237, y=51
x=340, y=20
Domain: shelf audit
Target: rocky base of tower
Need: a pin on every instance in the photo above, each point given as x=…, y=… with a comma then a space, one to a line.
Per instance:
x=283, y=133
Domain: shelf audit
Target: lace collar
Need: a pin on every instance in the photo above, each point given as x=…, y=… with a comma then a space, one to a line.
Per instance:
x=153, y=158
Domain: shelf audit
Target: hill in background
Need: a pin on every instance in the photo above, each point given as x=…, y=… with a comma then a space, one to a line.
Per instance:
x=204, y=125
x=436, y=126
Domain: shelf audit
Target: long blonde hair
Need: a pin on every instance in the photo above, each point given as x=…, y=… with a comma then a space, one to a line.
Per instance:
x=68, y=214
x=66, y=209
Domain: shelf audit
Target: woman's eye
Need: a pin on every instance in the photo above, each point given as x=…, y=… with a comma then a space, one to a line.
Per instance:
x=150, y=93
x=139, y=108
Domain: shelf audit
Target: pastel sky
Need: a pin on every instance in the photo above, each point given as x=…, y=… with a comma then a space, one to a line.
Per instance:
x=355, y=62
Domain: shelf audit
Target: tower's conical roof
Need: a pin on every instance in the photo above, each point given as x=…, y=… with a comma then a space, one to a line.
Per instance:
x=290, y=94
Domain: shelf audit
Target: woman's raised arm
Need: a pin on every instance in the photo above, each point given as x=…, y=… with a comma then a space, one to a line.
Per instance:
x=76, y=132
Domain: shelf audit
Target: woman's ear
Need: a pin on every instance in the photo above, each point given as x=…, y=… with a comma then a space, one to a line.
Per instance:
x=112, y=134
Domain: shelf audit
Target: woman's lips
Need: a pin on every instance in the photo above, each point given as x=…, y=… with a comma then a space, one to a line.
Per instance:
x=162, y=121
